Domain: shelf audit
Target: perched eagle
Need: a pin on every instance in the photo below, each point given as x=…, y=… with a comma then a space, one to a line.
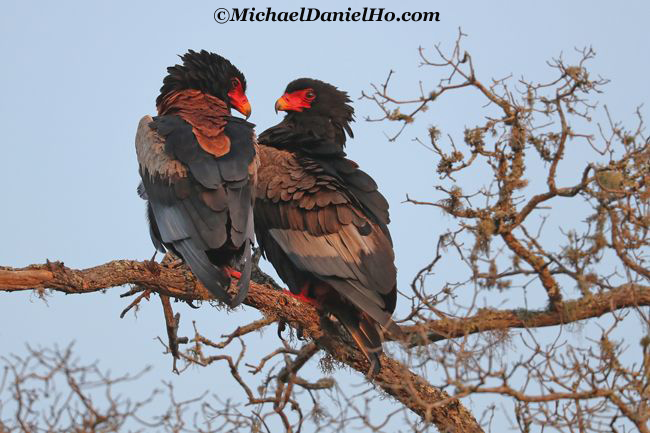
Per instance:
x=321, y=221
x=198, y=167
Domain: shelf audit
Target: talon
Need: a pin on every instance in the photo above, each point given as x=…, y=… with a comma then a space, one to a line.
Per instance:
x=191, y=304
x=152, y=266
x=282, y=325
x=300, y=335
x=55, y=265
x=171, y=260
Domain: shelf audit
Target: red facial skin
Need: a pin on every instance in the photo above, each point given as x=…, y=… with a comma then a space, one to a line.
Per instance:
x=238, y=99
x=295, y=101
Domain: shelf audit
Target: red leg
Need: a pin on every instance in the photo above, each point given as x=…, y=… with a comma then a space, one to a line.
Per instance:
x=303, y=296
x=233, y=273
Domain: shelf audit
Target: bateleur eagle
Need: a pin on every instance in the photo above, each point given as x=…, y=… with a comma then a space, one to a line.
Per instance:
x=198, y=167
x=321, y=221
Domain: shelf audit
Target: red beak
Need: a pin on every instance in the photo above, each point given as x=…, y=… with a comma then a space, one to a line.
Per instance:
x=239, y=101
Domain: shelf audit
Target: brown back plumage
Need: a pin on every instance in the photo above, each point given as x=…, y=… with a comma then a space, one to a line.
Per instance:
x=323, y=224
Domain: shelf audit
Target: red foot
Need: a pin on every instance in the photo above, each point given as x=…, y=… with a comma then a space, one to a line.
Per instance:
x=233, y=273
x=303, y=296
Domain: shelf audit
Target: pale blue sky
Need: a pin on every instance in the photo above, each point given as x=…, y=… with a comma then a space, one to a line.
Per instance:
x=77, y=76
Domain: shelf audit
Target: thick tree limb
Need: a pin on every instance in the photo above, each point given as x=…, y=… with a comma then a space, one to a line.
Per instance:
x=410, y=389
x=625, y=296
x=429, y=402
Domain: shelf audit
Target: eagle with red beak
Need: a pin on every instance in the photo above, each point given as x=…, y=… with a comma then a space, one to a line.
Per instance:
x=198, y=167
x=321, y=221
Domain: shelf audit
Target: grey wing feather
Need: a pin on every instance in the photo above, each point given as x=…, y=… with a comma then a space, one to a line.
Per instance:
x=199, y=204
x=178, y=217
x=210, y=276
x=356, y=266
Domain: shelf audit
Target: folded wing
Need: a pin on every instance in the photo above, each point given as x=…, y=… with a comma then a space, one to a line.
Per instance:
x=329, y=222
x=199, y=205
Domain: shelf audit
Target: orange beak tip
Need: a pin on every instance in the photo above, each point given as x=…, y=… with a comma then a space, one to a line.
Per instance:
x=245, y=109
x=281, y=104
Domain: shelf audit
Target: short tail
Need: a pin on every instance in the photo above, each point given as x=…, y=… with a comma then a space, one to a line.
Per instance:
x=366, y=333
x=215, y=279
x=244, y=280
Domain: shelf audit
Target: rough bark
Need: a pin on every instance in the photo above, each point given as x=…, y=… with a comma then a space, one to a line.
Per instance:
x=413, y=391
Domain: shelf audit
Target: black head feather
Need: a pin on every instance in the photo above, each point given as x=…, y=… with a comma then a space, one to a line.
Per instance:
x=208, y=72
x=330, y=103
